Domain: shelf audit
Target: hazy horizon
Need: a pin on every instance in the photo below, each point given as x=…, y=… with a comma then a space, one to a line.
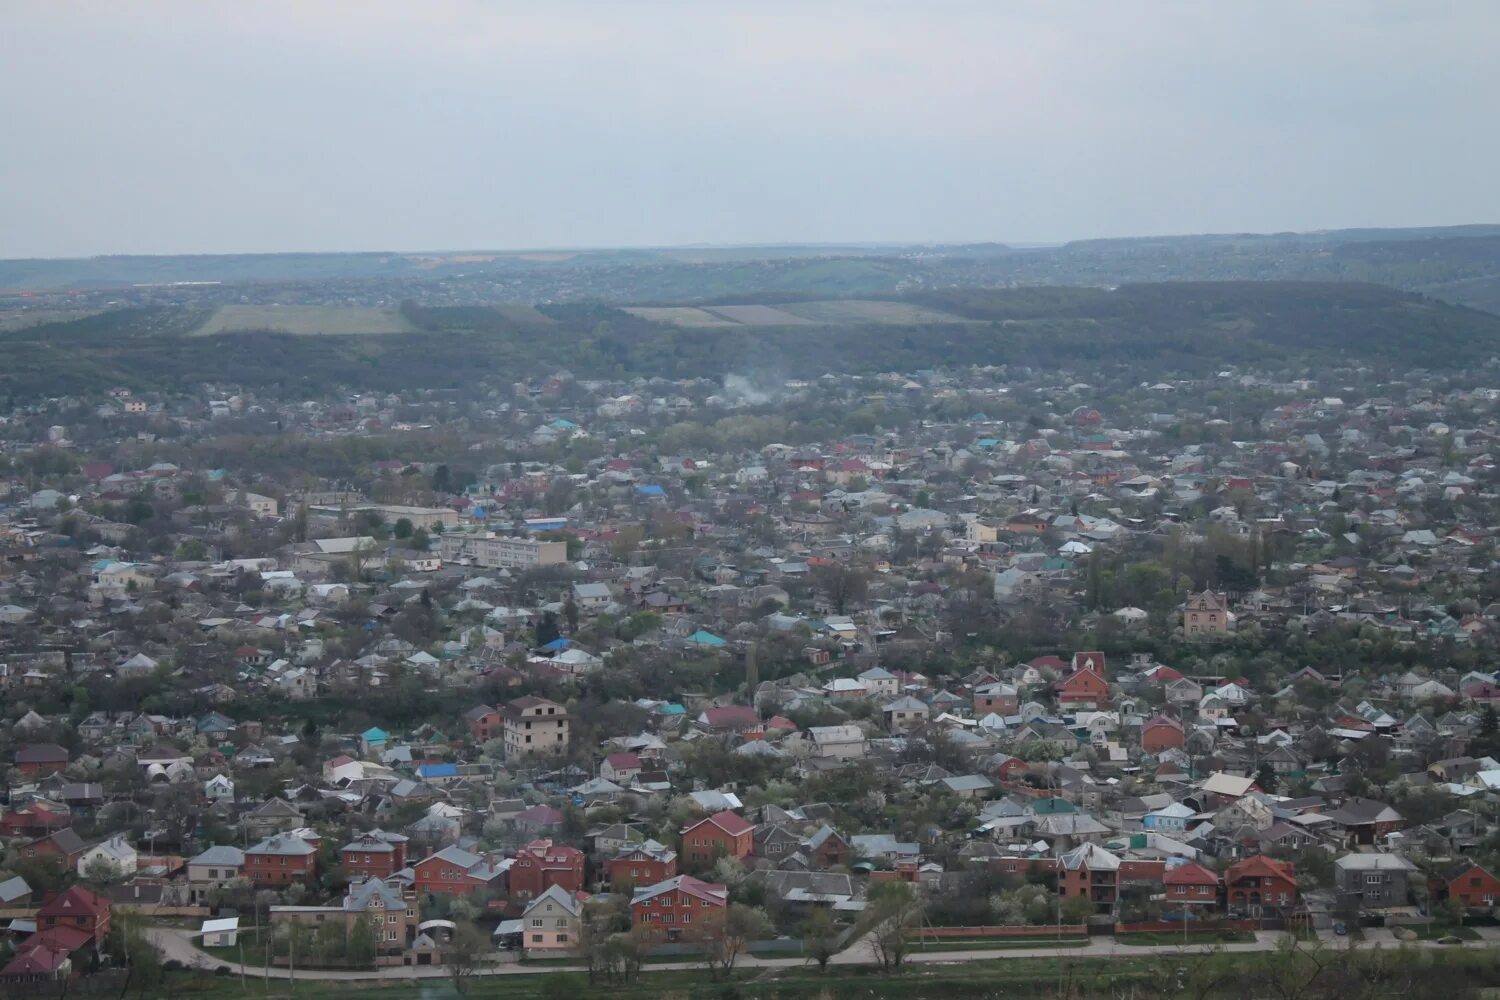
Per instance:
x=182, y=128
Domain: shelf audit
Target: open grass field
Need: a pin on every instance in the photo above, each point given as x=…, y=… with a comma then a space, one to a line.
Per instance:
x=869, y=311
x=305, y=321
x=759, y=315
x=830, y=312
x=688, y=316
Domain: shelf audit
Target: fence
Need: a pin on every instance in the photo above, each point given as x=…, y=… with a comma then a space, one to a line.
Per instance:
x=111, y=983
x=1193, y=926
x=1007, y=931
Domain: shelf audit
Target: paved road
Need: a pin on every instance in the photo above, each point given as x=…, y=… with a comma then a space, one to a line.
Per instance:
x=177, y=944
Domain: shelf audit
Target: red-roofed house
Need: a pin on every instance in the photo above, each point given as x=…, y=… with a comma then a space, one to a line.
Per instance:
x=1261, y=881
x=728, y=719
x=1472, y=887
x=1191, y=885
x=722, y=834
x=542, y=863
x=1082, y=689
x=76, y=909
x=1161, y=733
x=1091, y=661
x=678, y=906
x=620, y=767
x=642, y=864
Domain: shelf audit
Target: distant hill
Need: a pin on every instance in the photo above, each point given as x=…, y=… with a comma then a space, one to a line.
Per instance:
x=1185, y=326
x=1459, y=264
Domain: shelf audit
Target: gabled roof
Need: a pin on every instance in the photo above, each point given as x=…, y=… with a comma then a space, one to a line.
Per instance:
x=1190, y=874
x=731, y=823
x=711, y=893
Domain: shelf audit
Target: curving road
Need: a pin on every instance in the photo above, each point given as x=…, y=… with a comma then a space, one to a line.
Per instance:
x=176, y=943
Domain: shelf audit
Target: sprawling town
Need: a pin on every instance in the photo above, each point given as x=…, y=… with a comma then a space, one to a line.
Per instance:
x=834, y=669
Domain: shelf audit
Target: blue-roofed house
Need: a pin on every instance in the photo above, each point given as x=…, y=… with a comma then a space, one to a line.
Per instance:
x=650, y=490
x=702, y=638
x=373, y=739
x=437, y=773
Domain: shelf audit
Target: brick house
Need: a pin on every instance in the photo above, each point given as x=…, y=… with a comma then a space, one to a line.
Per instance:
x=388, y=908
x=827, y=848
x=376, y=854
x=1206, y=614
x=280, y=860
x=642, y=864
x=77, y=908
x=63, y=848
x=999, y=697
x=542, y=864
x=454, y=871
x=484, y=722
x=1191, y=885
x=620, y=767
x=1471, y=886
x=1082, y=689
x=1161, y=733
x=37, y=760
x=678, y=906
x=1261, y=881
x=722, y=834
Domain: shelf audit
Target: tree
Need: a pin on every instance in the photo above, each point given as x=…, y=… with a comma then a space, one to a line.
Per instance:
x=842, y=584
x=724, y=941
x=1265, y=777
x=100, y=870
x=570, y=614
x=1076, y=909
x=403, y=528
x=465, y=955
x=546, y=629
x=820, y=937
x=894, y=908
x=361, y=946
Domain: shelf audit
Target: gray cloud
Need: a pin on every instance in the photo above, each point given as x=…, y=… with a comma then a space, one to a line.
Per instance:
x=193, y=127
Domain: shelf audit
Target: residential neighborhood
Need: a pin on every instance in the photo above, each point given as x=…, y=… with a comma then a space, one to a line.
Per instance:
x=1201, y=655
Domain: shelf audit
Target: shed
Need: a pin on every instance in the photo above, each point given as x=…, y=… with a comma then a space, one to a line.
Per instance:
x=221, y=933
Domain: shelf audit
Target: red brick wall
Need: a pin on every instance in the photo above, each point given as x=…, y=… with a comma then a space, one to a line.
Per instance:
x=645, y=872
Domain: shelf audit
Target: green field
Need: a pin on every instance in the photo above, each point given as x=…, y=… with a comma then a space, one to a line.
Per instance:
x=830, y=312
x=688, y=316
x=869, y=311
x=305, y=321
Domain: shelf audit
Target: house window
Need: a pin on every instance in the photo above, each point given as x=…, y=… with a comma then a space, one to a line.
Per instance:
x=391, y=919
x=562, y=939
x=536, y=939
x=1373, y=879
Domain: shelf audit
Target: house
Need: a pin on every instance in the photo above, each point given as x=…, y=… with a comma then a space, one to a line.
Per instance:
x=827, y=848
x=552, y=922
x=76, y=909
x=1470, y=886
x=720, y=835
x=113, y=859
x=997, y=697
x=484, y=722
x=904, y=714
x=275, y=815
x=1082, y=689
x=728, y=719
x=680, y=905
x=839, y=742
x=219, y=788
x=62, y=848
x=388, y=908
x=1365, y=821
x=1260, y=882
x=542, y=864
x=533, y=726
x=621, y=767
x=1374, y=881
x=454, y=871
x=213, y=869
x=1161, y=733
x=375, y=854
x=646, y=863
x=1191, y=885
x=280, y=860
x=37, y=760
x=1205, y=615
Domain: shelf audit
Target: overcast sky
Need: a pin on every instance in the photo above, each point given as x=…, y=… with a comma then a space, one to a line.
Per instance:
x=447, y=124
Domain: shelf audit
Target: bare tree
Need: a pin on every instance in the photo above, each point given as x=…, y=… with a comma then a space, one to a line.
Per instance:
x=895, y=909
x=467, y=953
x=724, y=941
